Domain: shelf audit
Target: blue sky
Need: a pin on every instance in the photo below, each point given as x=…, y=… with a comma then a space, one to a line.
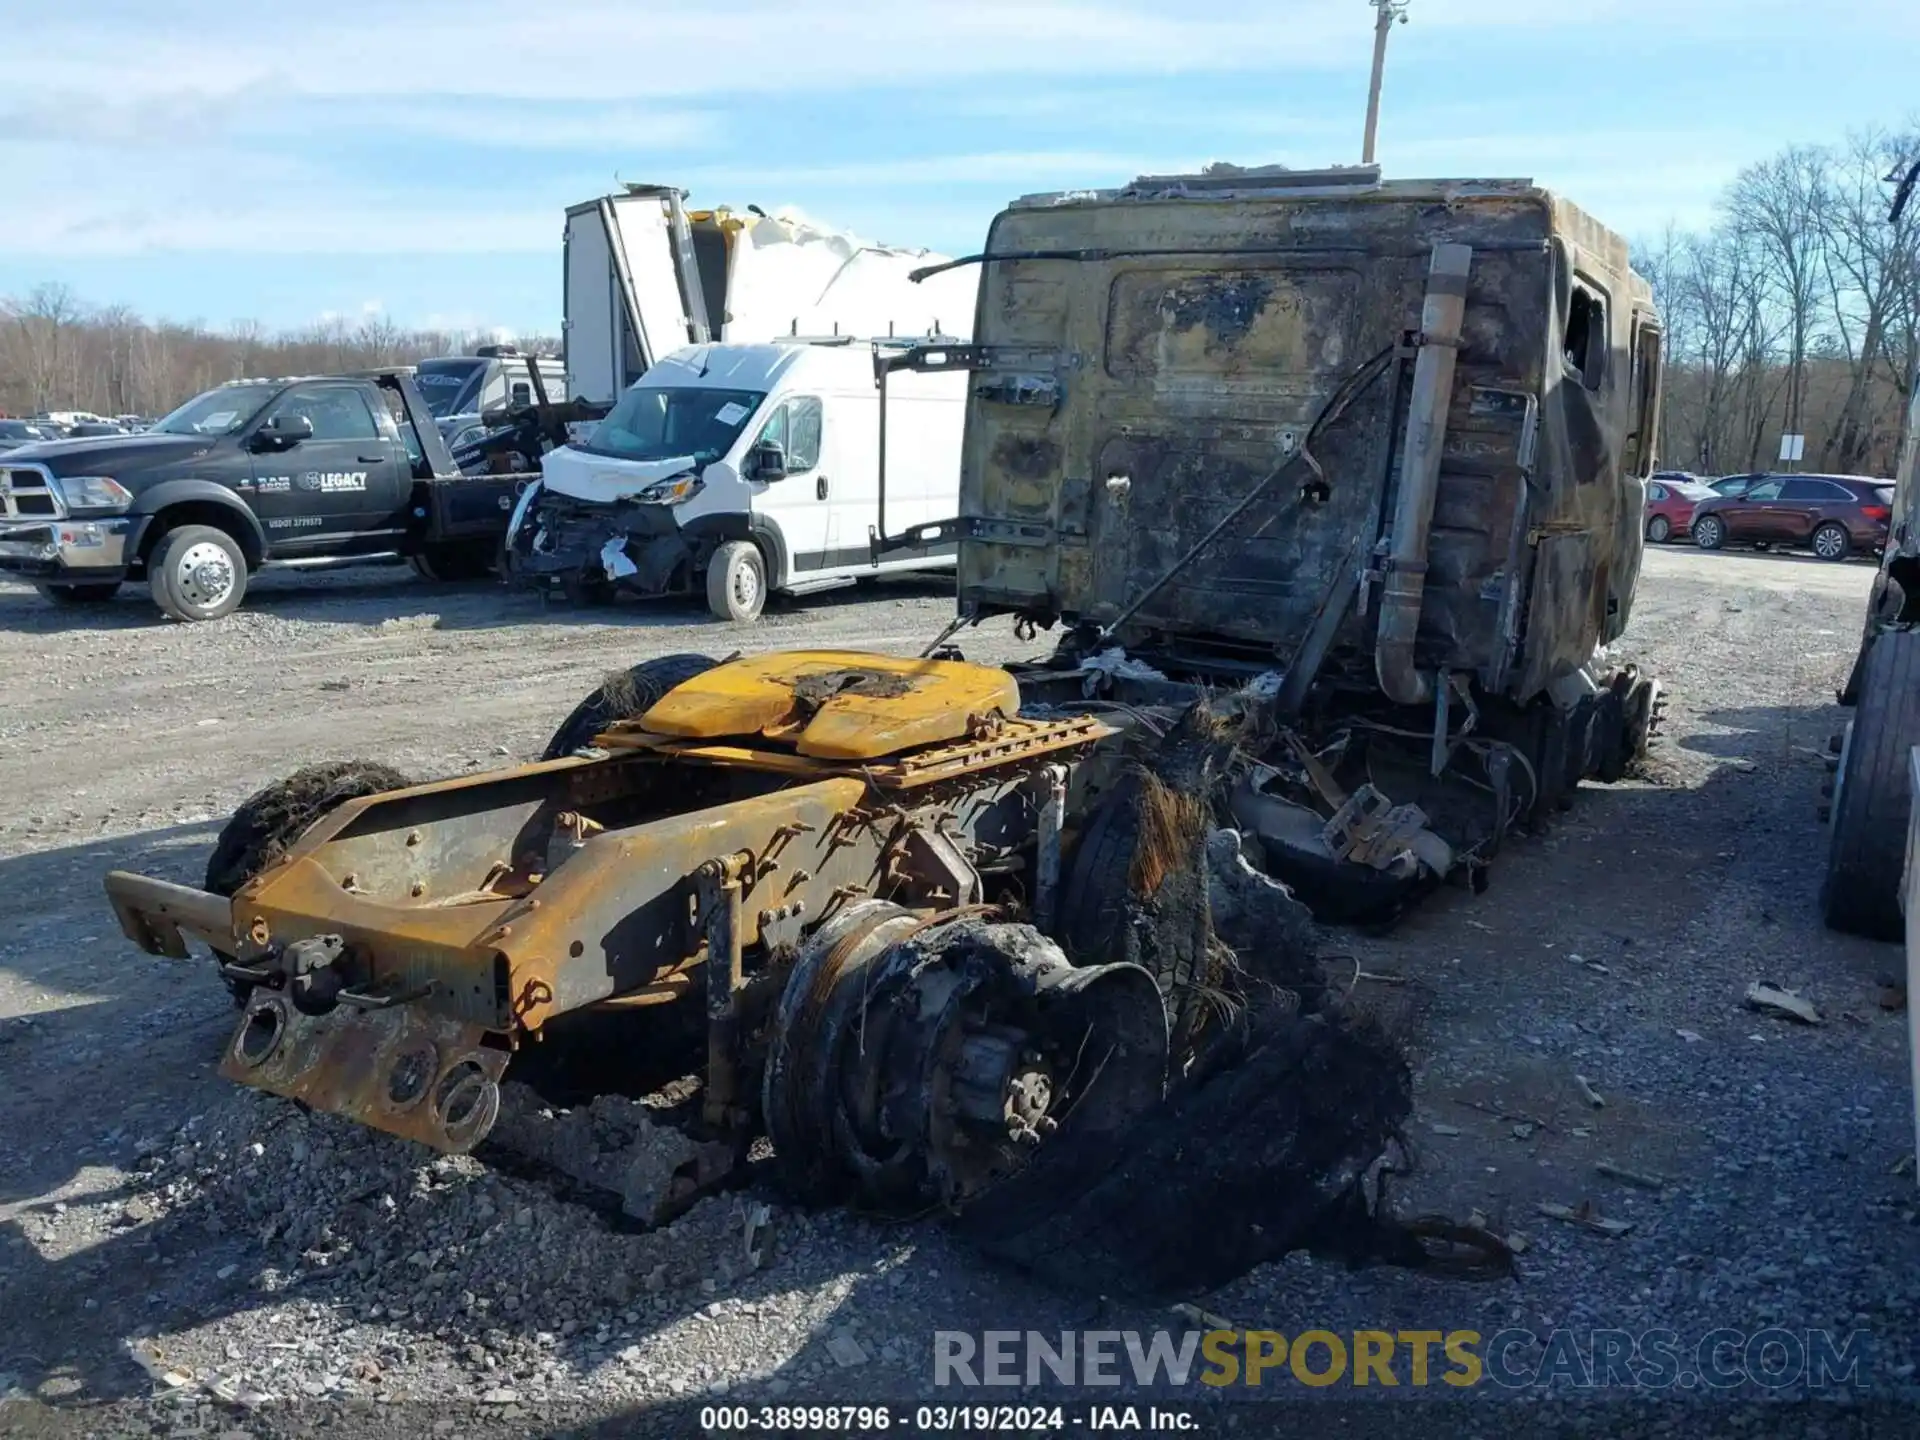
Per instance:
x=227, y=159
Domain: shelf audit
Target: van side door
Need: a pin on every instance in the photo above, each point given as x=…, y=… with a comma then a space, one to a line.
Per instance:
x=799, y=506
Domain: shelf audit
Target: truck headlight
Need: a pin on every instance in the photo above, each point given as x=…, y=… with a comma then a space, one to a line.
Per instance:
x=94, y=492
x=671, y=492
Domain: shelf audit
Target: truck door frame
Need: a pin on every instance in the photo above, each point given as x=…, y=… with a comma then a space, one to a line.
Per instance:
x=304, y=514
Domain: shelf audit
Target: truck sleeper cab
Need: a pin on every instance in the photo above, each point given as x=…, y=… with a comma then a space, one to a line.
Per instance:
x=737, y=470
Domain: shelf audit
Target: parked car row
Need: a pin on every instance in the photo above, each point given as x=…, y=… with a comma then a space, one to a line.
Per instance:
x=66, y=425
x=1834, y=516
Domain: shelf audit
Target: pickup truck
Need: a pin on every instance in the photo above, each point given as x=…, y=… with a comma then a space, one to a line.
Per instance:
x=309, y=471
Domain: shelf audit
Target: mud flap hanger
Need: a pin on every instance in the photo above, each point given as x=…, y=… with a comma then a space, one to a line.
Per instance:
x=1023, y=375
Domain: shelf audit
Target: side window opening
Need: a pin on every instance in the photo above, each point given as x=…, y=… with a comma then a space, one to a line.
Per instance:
x=337, y=413
x=1823, y=492
x=1642, y=440
x=795, y=428
x=1767, y=490
x=803, y=445
x=1584, y=346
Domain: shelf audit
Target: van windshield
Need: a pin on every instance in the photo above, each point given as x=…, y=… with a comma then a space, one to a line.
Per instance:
x=661, y=423
x=450, y=387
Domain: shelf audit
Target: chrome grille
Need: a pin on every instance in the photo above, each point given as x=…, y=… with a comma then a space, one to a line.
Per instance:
x=28, y=494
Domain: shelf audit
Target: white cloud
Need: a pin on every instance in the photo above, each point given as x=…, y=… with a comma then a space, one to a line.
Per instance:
x=222, y=127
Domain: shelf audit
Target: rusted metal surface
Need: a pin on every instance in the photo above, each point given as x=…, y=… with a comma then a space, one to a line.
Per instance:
x=413, y=938
x=404, y=1070
x=1014, y=741
x=159, y=916
x=509, y=902
x=1052, y=824
x=1193, y=338
x=719, y=884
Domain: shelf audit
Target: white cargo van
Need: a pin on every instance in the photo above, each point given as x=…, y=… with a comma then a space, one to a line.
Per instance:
x=735, y=470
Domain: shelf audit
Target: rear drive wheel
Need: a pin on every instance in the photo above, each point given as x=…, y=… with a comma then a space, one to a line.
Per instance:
x=79, y=594
x=1659, y=530
x=1831, y=541
x=622, y=697
x=737, y=581
x=1866, y=854
x=197, y=573
x=267, y=822
x=1709, y=532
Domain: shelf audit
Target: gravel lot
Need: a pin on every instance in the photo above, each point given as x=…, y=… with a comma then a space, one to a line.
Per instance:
x=156, y=1221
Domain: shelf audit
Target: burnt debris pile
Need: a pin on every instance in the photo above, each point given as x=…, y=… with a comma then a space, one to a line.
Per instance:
x=1286, y=1101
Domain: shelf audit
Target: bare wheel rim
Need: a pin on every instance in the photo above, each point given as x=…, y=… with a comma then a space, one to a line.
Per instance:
x=1828, y=542
x=746, y=585
x=203, y=576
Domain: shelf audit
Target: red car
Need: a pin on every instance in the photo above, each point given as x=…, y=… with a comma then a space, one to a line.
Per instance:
x=1831, y=515
x=1670, y=503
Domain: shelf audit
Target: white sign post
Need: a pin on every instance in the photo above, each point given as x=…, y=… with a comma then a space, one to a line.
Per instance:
x=1793, y=448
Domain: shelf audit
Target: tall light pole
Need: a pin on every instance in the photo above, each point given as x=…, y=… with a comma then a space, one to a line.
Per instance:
x=1390, y=11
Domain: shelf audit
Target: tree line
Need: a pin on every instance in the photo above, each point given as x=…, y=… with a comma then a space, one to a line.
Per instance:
x=59, y=353
x=1796, y=312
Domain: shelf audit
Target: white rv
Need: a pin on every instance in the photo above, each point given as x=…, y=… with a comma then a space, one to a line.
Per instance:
x=644, y=275
x=736, y=470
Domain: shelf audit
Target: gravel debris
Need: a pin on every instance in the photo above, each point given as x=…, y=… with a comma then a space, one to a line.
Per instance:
x=273, y=1259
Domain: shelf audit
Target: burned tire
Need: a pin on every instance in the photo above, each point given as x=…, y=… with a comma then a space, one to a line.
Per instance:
x=737, y=581
x=915, y=1061
x=1233, y=1169
x=1866, y=854
x=270, y=820
x=1092, y=924
x=1709, y=532
x=621, y=698
x=75, y=595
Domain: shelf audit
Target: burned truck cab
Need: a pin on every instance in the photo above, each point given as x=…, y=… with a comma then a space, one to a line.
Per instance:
x=1383, y=443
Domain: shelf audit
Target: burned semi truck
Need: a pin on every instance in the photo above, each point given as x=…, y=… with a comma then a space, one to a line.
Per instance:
x=1331, y=488
x=1379, y=449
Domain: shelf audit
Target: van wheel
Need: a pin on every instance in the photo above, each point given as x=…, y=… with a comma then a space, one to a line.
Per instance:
x=737, y=581
x=197, y=573
x=79, y=594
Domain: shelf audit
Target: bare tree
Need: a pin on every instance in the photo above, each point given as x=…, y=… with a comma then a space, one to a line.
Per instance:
x=56, y=353
x=1869, y=263
x=1778, y=204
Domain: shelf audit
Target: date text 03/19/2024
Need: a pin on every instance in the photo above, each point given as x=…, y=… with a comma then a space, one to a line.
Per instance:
x=939, y=1419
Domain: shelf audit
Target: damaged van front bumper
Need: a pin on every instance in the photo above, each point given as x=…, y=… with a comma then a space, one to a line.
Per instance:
x=562, y=542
